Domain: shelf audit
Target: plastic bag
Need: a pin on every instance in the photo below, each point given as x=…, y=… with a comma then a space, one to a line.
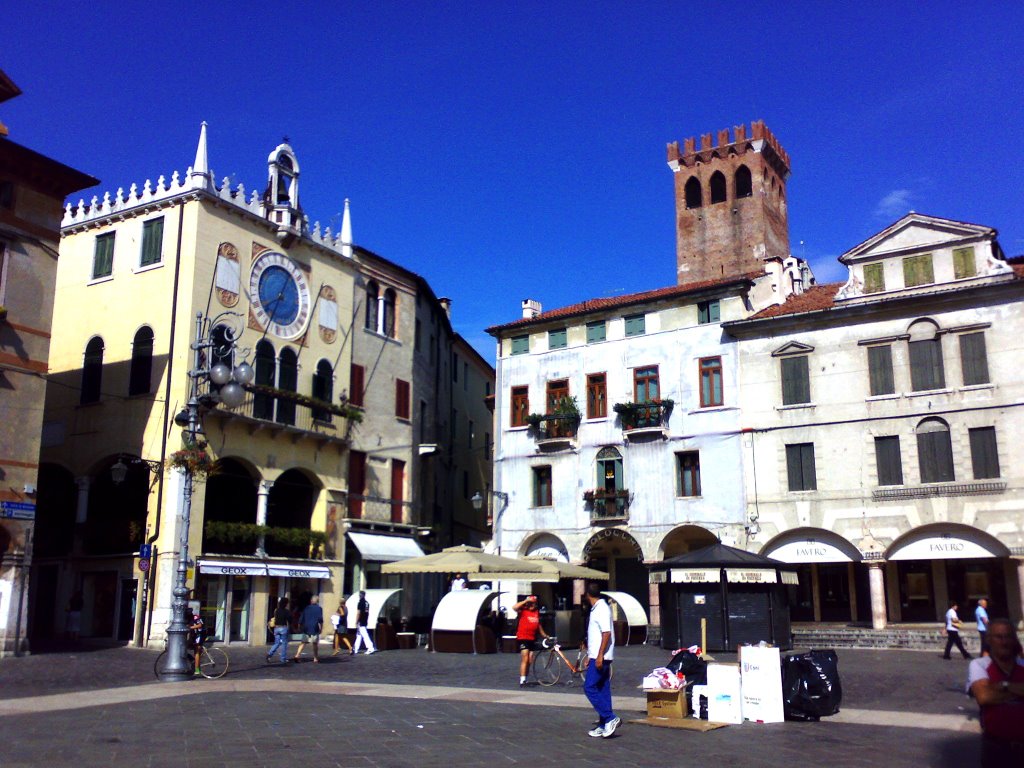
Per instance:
x=691, y=665
x=811, y=688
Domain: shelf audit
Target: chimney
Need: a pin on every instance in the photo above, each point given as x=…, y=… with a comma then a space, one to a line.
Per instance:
x=446, y=305
x=531, y=308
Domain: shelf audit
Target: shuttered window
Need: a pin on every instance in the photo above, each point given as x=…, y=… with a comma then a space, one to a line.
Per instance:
x=520, y=406
x=926, y=371
x=874, y=278
x=688, y=464
x=889, y=460
x=984, y=453
x=557, y=339
x=635, y=325
x=974, y=358
x=796, y=385
x=542, y=486
x=520, y=345
x=596, y=331
x=708, y=312
x=103, y=260
x=963, y=263
x=800, y=467
x=597, y=396
x=356, y=385
x=935, y=452
x=917, y=270
x=152, y=241
x=401, y=399
x=880, y=370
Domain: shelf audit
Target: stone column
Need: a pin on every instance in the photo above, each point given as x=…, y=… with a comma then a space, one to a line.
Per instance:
x=262, y=494
x=876, y=578
x=82, y=509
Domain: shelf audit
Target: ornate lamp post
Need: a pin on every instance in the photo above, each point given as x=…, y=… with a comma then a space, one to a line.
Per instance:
x=229, y=382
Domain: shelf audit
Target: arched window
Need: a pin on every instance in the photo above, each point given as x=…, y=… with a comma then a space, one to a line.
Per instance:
x=744, y=182
x=266, y=373
x=288, y=380
x=140, y=375
x=285, y=173
x=390, y=298
x=92, y=371
x=935, y=451
x=693, y=194
x=717, y=187
x=323, y=388
x=372, y=291
x=925, y=347
x=610, y=496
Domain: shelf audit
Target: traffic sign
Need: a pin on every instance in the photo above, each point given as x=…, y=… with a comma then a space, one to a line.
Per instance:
x=143, y=564
x=145, y=551
x=18, y=510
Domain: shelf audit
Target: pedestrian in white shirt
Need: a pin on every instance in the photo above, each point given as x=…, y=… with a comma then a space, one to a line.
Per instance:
x=597, y=684
x=953, y=632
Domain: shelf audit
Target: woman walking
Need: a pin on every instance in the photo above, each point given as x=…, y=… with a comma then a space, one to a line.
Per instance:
x=281, y=626
x=340, y=621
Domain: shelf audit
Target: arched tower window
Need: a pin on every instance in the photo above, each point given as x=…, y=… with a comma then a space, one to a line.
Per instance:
x=372, y=294
x=288, y=380
x=266, y=374
x=934, y=451
x=92, y=371
x=390, y=297
x=693, y=193
x=717, y=187
x=141, y=372
x=221, y=351
x=744, y=182
x=282, y=178
x=285, y=176
x=610, y=496
x=323, y=388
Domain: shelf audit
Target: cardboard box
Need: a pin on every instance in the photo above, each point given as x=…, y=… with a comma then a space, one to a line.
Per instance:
x=669, y=704
x=724, y=694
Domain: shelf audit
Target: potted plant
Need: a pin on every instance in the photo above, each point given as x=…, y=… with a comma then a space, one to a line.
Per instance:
x=195, y=458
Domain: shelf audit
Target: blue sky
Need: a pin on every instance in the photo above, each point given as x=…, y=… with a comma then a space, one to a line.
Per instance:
x=514, y=150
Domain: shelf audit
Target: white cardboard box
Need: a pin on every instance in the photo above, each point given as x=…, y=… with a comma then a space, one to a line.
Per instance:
x=724, y=694
x=761, y=678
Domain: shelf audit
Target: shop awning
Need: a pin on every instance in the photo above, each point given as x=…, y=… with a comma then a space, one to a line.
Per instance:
x=378, y=600
x=385, y=549
x=264, y=568
x=631, y=608
x=695, y=575
x=751, y=576
x=459, y=611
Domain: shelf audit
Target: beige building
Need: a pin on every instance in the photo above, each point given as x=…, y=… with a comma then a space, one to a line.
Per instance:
x=32, y=191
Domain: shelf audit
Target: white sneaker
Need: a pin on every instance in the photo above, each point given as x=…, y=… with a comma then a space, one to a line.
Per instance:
x=596, y=732
x=610, y=726
x=372, y=650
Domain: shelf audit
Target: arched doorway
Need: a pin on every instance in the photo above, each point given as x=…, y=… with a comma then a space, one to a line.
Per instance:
x=230, y=500
x=686, y=538
x=290, y=507
x=116, y=522
x=615, y=551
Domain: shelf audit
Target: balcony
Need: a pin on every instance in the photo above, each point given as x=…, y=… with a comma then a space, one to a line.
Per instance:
x=607, y=506
x=558, y=427
x=985, y=488
x=645, y=418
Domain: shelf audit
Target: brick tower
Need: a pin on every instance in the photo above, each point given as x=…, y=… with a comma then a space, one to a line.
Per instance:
x=730, y=203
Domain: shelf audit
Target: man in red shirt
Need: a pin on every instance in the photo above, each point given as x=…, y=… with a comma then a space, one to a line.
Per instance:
x=526, y=634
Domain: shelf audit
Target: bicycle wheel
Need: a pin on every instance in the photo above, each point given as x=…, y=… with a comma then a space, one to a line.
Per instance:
x=547, y=668
x=213, y=663
x=159, y=663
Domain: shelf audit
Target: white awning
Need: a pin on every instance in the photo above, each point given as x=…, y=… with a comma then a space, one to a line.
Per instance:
x=630, y=607
x=695, y=575
x=751, y=576
x=385, y=549
x=264, y=568
x=459, y=610
x=813, y=549
x=930, y=544
x=790, y=577
x=377, y=598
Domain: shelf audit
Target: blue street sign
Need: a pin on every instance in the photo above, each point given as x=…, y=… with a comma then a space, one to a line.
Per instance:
x=18, y=510
x=145, y=551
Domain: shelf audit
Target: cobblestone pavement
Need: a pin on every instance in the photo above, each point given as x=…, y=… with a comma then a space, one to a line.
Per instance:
x=920, y=716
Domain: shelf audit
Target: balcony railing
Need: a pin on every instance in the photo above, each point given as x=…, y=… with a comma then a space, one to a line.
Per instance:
x=554, y=426
x=985, y=488
x=644, y=415
x=607, y=505
x=271, y=407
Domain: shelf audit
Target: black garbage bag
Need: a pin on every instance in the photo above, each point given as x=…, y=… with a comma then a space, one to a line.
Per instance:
x=810, y=685
x=691, y=665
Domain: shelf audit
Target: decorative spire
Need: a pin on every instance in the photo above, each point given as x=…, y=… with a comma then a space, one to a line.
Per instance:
x=200, y=173
x=346, y=232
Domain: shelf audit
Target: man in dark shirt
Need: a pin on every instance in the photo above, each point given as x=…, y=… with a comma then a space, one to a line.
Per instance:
x=312, y=623
x=362, y=619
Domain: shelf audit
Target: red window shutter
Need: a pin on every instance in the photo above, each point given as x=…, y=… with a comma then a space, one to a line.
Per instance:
x=397, y=489
x=401, y=399
x=356, y=385
x=356, y=483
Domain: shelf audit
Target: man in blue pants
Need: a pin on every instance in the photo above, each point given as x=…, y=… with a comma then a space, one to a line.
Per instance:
x=600, y=652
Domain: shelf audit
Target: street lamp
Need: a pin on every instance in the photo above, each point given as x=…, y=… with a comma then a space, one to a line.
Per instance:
x=229, y=382
x=478, y=504
x=119, y=472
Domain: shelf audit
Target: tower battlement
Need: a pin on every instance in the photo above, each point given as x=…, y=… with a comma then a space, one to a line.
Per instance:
x=722, y=144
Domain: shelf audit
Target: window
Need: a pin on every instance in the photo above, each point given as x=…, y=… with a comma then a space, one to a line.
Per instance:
x=520, y=406
x=356, y=483
x=597, y=396
x=888, y=460
x=92, y=371
x=717, y=187
x=917, y=270
x=963, y=263
x=103, y=260
x=397, y=490
x=645, y=384
x=357, y=376
x=926, y=370
x=596, y=331
x=874, y=278
x=744, y=182
x=984, y=454
x=288, y=380
x=372, y=291
x=688, y=465
x=710, y=381
x=934, y=452
x=402, y=399
x=609, y=470
x=520, y=345
x=974, y=358
x=266, y=376
x=635, y=325
x=557, y=339
x=796, y=384
x=542, y=486
x=487, y=446
x=469, y=435
x=800, y=467
x=388, y=328
x=152, y=241
x=708, y=312
x=323, y=389
x=141, y=371
x=880, y=378
x=556, y=390
x=693, y=193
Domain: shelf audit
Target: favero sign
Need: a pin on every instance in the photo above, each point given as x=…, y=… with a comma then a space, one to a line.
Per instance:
x=944, y=546
x=809, y=550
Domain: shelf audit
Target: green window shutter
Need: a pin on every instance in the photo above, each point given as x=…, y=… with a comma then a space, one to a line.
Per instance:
x=810, y=477
x=874, y=278
x=520, y=345
x=880, y=370
x=714, y=312
x=635, y=325
x=596, y=332
x=103, y=262
x=984, y=454
x=963, y=263
x=796, y=386
x=800, y=467
x=917, y=270
x=935, y=456
x=927, y=269
x=888, y=460
x=926, y=371
x=152, y=241
x=557, y=339
x=974, y=358
x=708, y=312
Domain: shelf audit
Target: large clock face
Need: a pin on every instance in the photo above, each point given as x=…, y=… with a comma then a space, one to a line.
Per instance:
x=280, y=295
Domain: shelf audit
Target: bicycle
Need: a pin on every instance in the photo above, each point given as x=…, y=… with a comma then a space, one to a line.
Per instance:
x=213, y=662
x=547, y=667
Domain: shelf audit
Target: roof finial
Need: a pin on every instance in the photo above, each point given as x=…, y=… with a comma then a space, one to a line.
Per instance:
x=346, y=232
x=200, y=168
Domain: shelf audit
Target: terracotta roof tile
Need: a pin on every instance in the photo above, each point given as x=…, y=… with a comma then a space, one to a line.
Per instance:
x=814, y=298
x=594, y=305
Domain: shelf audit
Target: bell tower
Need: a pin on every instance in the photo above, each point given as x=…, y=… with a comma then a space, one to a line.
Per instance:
x=281, y=198
x=730, y=203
